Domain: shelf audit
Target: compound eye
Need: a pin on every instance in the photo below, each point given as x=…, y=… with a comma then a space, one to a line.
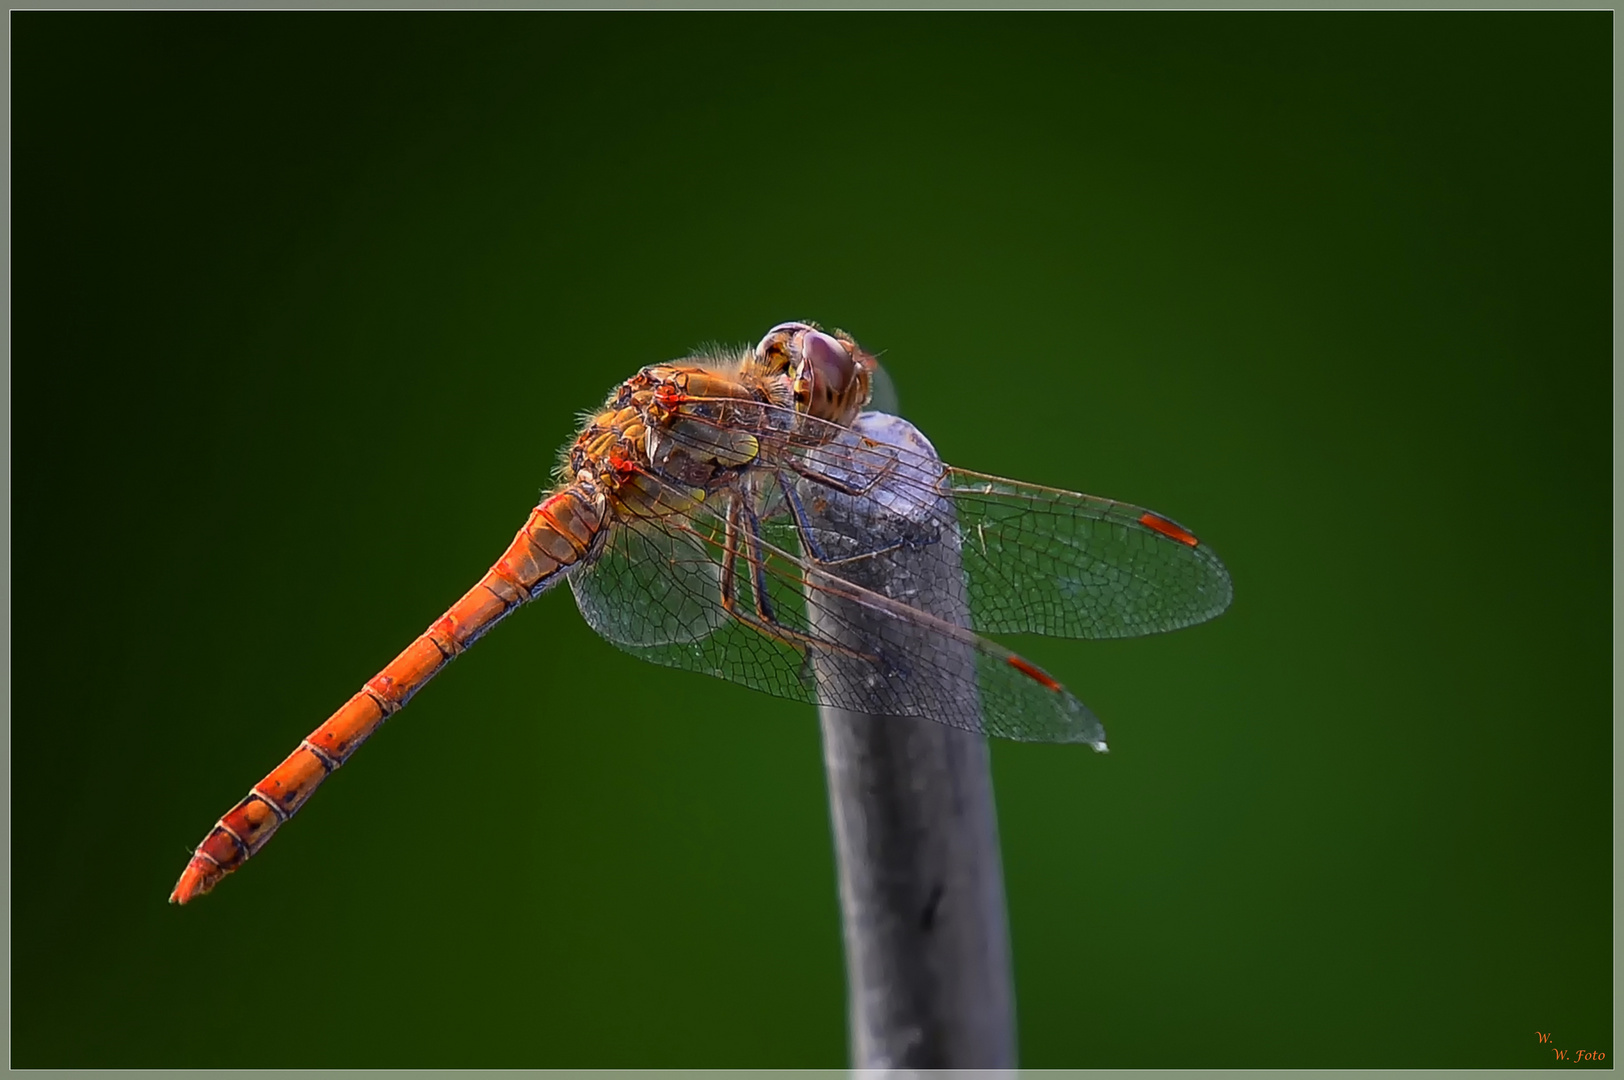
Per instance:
x=827, y=362
x=774, y=346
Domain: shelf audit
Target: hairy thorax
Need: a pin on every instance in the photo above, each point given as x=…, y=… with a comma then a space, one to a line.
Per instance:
x=674, y=433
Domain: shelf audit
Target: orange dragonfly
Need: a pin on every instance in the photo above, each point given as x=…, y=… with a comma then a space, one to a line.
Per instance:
x=743, y=517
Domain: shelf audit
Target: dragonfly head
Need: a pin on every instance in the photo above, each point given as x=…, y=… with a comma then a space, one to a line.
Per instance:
x=830, y=375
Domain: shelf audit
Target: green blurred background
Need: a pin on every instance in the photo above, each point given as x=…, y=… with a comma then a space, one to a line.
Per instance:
x=304, y=306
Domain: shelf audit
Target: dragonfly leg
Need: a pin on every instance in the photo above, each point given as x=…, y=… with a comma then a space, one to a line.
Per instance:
x=741, y=521
x=809, y=535
x=730, y=560
x=758, y=564
x=854, y=490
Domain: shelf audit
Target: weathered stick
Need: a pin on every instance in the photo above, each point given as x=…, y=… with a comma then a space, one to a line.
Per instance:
x=916, y=844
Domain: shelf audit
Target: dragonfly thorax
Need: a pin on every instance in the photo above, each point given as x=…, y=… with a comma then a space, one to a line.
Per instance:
x=673, y=432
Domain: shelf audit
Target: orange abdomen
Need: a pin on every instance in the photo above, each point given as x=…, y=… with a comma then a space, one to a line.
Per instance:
x=557, y=536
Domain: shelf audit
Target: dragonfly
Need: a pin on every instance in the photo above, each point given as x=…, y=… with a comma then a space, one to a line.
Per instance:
x=744, y=517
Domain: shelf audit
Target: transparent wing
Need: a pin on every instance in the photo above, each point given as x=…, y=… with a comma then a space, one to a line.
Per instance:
x=1045, y=561
x=743, y=587
x=1037, y=560
x=673, y=611
x=652, y=587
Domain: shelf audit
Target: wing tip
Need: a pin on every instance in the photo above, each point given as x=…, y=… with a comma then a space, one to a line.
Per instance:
x=1168, y=528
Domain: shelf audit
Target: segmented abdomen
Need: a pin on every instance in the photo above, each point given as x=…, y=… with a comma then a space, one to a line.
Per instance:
x=557, y=536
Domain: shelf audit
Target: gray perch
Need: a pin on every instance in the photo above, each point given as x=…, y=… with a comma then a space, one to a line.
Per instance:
x=916, y=838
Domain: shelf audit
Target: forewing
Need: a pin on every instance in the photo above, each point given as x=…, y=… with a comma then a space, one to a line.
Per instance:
x=887, y=575
x=1045, y=561
x=875, y=633
x=1037, y=560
